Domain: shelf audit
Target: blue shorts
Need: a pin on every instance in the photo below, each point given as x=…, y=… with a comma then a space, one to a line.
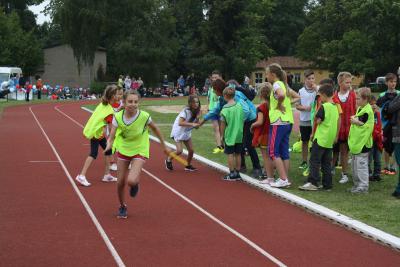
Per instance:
x=278, y=142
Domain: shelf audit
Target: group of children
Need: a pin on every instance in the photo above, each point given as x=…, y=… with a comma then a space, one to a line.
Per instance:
x=334, y=121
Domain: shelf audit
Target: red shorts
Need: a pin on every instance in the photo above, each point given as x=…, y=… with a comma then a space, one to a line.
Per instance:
x=129, y=158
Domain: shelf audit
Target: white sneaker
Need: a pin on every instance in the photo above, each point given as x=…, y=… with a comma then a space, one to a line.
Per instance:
x=308, y=187
x=113, y=167
x=280, y=183
x=344, y=179
x=109, y=178
x=82, y=180
x=267, y=181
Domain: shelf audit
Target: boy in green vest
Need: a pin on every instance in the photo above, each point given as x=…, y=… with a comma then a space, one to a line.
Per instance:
x=232, y=120
x=326, y=134
x=360, y=140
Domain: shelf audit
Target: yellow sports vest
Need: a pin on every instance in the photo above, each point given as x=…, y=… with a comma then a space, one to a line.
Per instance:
x=326, y=131
x=95, y=125
x=274, y=113
x=132, y=139
x=360, y=136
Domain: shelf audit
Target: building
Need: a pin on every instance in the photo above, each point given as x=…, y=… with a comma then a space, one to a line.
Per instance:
x=61, y=67
x=296, y=67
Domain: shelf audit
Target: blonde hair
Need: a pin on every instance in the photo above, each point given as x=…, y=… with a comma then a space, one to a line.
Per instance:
x=276, y=69
x=365, y=93
x=109, y=92
x=343, y=75
x=264, y=90
x=229, y=92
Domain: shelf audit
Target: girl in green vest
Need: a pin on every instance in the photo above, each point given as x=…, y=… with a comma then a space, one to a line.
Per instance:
x=130, y=138
x=360, y=140
x=95, y=131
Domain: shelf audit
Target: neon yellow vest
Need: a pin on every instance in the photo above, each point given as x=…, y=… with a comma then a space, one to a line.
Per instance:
x=360, y=136
x=327, y=129
x=274, y=113
x=132, y=139
x=95, y=125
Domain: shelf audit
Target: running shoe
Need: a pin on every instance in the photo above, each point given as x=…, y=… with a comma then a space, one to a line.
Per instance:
x=391, y=171
x=134, y=190
x=122, y=212
x=308, y=187
x=113, y=167
x=109, y=178
x=190, y=168
x=303, y=165
x=281, y=183
x=267, y=181
x=168, y=165
x=231, y=177
x=218, y=149
x=82, y=180
x=344, y=179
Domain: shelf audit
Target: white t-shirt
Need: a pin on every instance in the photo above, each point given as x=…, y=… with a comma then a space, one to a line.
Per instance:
x=306, y=99
x=179, y=133
x=344, y=97
x=128, y=121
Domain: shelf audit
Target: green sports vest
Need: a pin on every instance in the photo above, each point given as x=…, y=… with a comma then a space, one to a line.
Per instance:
x=95, y=125
x=132, y=139
x=360, y=136
x=212, y=98
x=234, y=120
x=274, y=113
x=326, y=131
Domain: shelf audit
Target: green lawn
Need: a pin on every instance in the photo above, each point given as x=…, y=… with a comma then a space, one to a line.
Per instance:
x=378, y=208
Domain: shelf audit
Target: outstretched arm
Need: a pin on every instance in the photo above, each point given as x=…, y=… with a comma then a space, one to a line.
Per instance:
x=159, y=135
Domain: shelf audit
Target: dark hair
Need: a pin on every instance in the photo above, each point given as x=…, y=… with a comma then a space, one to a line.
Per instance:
x=327, y=81
x=195, y=112
x=308, y=73
x=218, y=86
x=234, y=82
x=109, y=92
x=131, y=92
x=390, y=77
x=372, y=98
x=326, y=89
x=216, y=72
x=277, y=70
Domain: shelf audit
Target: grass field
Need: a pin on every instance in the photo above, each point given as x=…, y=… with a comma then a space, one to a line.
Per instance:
x=378, y=208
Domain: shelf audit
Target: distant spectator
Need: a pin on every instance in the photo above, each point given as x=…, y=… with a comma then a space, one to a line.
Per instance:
x=181, y=84
x=39, y=86
x=127, y=82
x=120, y=82
x=165, y=84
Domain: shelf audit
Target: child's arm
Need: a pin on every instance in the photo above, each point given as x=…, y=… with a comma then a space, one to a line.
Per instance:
x=359, y=121
x=295, y=97
x=184, y=123
x=157, y=132
x=258, y=122
x=111, y=138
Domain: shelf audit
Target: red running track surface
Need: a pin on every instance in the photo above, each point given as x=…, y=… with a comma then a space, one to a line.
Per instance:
x=43, y=222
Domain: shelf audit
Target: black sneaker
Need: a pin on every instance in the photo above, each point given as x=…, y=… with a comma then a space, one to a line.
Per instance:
x=122, y=212
x=232, y=177
x=168, y=165
x=134, y=190
x=190, y=168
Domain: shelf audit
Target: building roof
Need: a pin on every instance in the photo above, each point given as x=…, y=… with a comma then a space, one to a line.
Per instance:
x=285, y=62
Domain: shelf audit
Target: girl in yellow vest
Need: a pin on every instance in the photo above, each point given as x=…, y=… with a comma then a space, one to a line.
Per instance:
x=281, y=122
x=130, y=138
x=95, y=130
x=360, y=140
x=117, y=106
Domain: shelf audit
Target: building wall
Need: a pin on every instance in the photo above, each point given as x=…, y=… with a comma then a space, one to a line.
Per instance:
x=61, y=68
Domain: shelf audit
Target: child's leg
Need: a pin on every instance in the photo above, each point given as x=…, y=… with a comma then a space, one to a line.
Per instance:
x=268, y=165
x=107, y=156
x=94, y=147
x=238, y=159
x=231, y=162
x=315, y=164
x=356, y=180
x=274, y=142
x=326, y=168
x=386, y=159
x=189, y=146
x=377, y=161
x=217, y=135
x=134, y=173
x=344, y=157
x=122, y=172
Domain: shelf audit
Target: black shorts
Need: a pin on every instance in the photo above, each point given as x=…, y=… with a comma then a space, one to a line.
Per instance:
x=305, y=132
x=235, y=149
x=94, y=147
x=387, y=140
x=336, y=146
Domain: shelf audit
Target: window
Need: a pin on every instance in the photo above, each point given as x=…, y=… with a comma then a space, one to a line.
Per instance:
x=296, y=78
x=259, y=77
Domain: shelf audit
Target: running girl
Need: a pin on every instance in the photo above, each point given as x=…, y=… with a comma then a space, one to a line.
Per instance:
x=181, y=132
x=95, y=130
x=131, y=134
x=117, y=105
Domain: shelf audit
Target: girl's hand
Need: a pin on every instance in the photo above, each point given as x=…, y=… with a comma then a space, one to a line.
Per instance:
x=281, y=108
x=108, y=147
x=252, y=128
x=196, y=125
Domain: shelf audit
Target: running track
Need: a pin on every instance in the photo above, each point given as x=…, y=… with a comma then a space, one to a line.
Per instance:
x=44, y=223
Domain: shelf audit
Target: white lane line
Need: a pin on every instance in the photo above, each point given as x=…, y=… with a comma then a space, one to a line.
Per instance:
x=100, y=229
x=77, y=123
x=215, y=219
x=42, y=161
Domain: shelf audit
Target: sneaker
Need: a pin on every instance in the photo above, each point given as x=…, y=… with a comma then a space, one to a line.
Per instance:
x=190, y=168
x=303, y=165
x=231, y=177
x=358, y=190
x=122, y=212
x=82, y=180
x=113, y=167
x=109, y=178
x=391, y=171
x=256, y=172
x=134, y=190
x=236, y=175
x=218, y=149
x=308, y=187
x=306, y=171
x=280, y=183
x=168, y=165
x=267, y=181
x=344, y=179
x=385, y=171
